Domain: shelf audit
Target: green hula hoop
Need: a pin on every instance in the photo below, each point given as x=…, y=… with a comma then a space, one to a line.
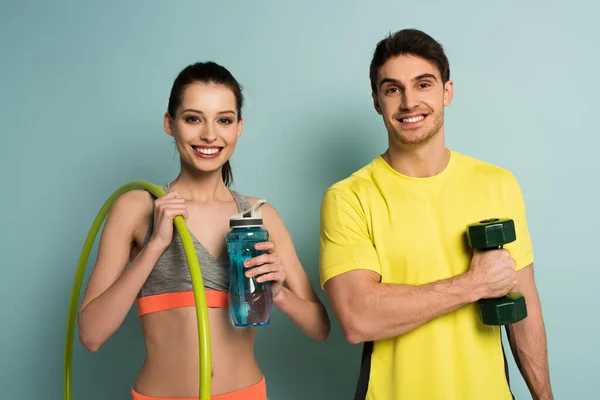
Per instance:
x=197, y=283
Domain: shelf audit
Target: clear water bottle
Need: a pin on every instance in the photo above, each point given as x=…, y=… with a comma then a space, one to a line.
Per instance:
x=250, y=301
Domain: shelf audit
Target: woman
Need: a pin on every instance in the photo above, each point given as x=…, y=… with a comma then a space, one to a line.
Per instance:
x=204, y=118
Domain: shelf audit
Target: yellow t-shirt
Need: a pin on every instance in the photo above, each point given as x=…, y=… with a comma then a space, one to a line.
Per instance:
x=412, y=231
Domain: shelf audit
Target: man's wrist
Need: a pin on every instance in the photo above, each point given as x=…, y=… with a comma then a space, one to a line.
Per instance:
x=469, y=287
x=545, y=395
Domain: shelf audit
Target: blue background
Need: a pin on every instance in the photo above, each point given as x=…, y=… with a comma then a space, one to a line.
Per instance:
x=84, y=85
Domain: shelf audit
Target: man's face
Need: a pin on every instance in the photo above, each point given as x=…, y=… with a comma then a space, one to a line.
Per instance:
x=411, y=99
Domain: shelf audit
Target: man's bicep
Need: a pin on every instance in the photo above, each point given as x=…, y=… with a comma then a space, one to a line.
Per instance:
x=351, y=281
x=347, y=287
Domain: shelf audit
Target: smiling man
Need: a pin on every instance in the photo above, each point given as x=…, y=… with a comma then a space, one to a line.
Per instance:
x=394, y=261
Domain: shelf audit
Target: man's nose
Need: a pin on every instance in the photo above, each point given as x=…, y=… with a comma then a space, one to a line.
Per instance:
x=410, y=100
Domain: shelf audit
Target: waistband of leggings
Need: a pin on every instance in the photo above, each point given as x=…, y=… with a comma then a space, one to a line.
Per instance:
x=257, y=391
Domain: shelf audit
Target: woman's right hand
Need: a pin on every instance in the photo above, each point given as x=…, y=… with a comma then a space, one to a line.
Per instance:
x=166, y=208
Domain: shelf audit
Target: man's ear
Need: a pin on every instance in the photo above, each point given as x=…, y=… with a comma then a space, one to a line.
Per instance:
x=376, y=103
x=448, y=93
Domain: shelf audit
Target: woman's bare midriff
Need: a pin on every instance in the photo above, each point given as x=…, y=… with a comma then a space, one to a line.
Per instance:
x=171, y=367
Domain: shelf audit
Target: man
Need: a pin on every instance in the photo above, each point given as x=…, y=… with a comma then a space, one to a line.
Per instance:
x=394, y=260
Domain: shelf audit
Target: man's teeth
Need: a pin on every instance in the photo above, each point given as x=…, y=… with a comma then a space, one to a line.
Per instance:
x=413, y=119
x=203, y=150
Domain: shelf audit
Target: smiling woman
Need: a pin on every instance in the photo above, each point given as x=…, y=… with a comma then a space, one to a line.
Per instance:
x=204, y=117
x=215, y=87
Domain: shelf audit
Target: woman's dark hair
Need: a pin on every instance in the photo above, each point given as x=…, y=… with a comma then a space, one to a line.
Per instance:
x=206, y=72
x=413, y=42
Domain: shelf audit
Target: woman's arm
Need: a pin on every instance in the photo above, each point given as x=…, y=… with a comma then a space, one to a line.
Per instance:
x=293, y=292
x=112, y=289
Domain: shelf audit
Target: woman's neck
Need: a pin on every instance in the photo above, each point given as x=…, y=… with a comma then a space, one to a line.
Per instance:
x=201, y=186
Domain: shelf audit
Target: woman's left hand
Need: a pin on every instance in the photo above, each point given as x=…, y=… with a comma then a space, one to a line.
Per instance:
x=268, y=266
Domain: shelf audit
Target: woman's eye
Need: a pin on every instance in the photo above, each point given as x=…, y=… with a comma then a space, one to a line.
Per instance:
x=191, y=119
x=225, y=121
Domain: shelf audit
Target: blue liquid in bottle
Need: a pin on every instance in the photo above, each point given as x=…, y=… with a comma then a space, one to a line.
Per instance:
x=250, y=302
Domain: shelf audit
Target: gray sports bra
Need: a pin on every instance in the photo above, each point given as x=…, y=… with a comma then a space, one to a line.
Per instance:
x=171, y=274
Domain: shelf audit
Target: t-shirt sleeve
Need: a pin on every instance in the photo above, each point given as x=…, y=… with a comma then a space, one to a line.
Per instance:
x=345, y=242
x=521, y=249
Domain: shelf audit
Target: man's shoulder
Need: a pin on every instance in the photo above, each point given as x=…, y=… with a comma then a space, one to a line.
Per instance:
x=356, y=182
x=478, y=168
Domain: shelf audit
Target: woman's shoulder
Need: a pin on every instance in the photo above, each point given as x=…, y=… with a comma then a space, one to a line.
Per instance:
x=135, y=201
x=133, y=207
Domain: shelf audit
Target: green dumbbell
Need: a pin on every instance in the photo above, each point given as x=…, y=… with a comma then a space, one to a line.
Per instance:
x=491, y=234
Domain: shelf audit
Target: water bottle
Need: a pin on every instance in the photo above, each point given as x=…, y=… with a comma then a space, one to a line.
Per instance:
x=249, y=301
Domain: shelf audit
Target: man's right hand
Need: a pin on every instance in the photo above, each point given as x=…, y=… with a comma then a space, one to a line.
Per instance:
x=493, y=271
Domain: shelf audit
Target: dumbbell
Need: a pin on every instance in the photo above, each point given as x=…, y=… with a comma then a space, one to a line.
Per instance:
x=490, y=234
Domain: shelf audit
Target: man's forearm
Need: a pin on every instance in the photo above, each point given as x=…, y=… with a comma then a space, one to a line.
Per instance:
x=388, y=310
x=528, y=343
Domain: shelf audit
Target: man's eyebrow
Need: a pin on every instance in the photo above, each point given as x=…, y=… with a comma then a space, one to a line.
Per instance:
x=390, y=80
x=416, y=78
x=424, y=76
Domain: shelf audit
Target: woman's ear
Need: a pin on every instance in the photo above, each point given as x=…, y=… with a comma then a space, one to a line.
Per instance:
x=240, y=127
x=168, y=124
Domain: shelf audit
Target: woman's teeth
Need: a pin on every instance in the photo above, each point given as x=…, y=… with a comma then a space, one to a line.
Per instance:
x=206, y=151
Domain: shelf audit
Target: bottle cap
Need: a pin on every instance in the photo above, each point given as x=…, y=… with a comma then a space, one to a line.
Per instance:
x=248, y=218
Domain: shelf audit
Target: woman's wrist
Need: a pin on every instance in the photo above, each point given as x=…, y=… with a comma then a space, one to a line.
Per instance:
x=281, y=296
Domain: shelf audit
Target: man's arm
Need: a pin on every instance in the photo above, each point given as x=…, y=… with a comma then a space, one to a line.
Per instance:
x=368, y=310
x=527, y=339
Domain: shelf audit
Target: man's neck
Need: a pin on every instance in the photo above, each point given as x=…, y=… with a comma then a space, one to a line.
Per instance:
x=419, y=162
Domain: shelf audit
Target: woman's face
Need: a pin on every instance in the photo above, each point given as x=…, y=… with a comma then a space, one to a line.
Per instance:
x=206, y=126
